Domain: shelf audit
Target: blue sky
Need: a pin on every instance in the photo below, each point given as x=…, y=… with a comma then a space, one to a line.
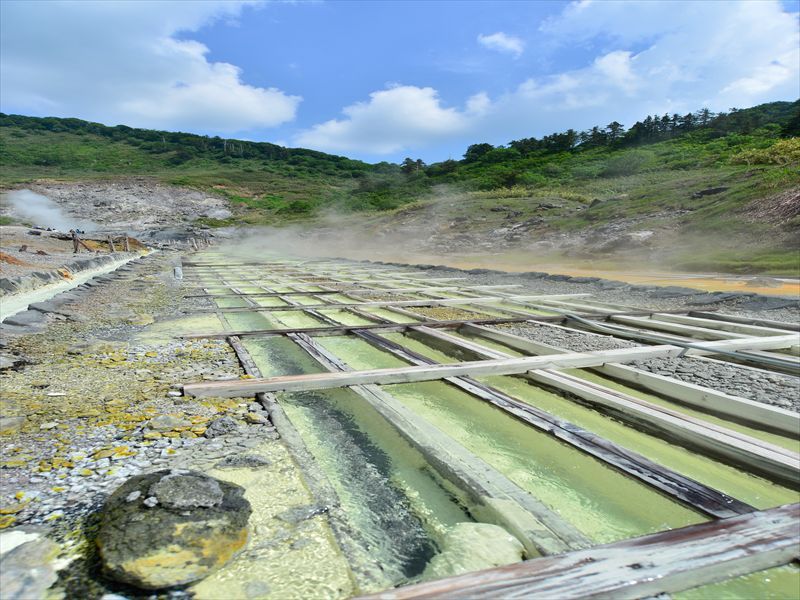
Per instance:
x=385, y=80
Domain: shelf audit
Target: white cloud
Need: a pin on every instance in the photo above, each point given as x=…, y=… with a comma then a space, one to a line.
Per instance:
x=725, y=53
x=394, y=119
x=656, y=57
x=122, y=62
x=502, y=42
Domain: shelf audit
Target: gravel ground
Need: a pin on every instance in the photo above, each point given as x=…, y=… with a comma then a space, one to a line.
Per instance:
x=93, y=399
x=645, y=297
x=776, y=389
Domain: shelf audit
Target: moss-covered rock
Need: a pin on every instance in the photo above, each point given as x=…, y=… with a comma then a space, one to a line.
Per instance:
x=170, y=528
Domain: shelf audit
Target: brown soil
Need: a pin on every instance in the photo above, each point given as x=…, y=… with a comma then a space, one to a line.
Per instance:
x=7, y=258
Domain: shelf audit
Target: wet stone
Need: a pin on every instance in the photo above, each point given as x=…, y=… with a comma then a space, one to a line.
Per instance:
x=28, y=569
x=243, y=461
x=167, y=422
x=197, y=525
x=221, y=426
x=472, y=547
x=187, y=491
x=298, y=514
x=11, y=425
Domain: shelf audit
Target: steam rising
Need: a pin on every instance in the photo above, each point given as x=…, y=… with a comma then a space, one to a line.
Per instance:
x=40, y=210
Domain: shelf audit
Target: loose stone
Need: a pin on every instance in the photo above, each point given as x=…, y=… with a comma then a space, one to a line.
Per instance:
x=198, y=524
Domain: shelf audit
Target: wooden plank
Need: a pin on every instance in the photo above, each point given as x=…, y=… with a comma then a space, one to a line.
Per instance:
x=700, y=497
x=742, y=410
x=344, y=329
x=755, y=456
x=350, y=290
x=684, y=330
x=367, y=303
x=752, y=413
x=773, y=342
x=745, y=321
x=317, y=381
x=498, y=499
x=667, y=562
x=717, y=324
x=742, y=450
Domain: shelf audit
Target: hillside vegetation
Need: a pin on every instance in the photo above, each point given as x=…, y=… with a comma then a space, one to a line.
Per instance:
x=729, y=179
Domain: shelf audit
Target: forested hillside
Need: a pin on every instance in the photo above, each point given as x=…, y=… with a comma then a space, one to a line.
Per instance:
x=732, y=177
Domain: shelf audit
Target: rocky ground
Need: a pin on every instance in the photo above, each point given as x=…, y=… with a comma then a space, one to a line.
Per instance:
x=739, y=380
x=135, y=204
x=91, y=397
x=92, y=400
x=771, y=388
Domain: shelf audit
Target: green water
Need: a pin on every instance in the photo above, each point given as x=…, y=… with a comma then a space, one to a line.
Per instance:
x=306, y=300
x=778, y=440
x=343, y=298
x=602, y=503
x=344, y=317
x=748, y=488
x=296, y=318
x=419, y=347
x=779, y=583
x=751, y=489
x=231, y=302
x=269, y=301
x=385, y=313
x=252, y=320
x=395, y=503
x=487, y=343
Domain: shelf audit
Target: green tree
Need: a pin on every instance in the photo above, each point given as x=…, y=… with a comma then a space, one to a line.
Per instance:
x=475, y=151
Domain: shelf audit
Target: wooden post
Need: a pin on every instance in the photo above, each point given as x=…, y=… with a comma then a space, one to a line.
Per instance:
x=127, y=244
x=111, y=244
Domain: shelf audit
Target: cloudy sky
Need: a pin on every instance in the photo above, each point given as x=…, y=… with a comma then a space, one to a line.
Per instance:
x=385, y=80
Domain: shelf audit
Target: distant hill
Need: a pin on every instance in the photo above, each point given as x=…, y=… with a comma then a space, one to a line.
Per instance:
x=732, y=177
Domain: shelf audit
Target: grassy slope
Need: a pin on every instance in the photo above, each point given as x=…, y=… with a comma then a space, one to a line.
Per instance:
x=652, y=183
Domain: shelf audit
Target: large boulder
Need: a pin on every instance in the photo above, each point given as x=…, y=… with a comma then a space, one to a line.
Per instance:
x=170, y=528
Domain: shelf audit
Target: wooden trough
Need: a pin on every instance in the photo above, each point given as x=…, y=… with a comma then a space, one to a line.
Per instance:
x=738, y=539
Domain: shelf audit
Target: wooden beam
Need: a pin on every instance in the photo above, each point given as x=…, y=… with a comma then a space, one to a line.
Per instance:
x=317, y=381
x=367, y=303
x=661, y=563
x=347, y=291
x=345, y=329
x=761, y=458
x=750, y=412
x=684, y=330
x=721, y=325
x=700, y=497
x=745, y=321
x=497, y=498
